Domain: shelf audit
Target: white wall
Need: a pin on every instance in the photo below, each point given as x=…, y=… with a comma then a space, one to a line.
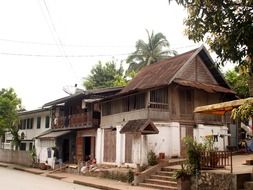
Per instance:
x=203, y=130
x=167, y=141
x=34, y=132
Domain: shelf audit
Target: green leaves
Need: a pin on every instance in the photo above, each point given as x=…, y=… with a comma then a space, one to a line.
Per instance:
x=105, y=75
x=9, y=104
x=146, y=53
x=238, y=82
x=225, y=25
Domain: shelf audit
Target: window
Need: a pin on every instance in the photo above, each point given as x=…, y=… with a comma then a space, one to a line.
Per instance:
x=47, y=122
x=159, y=98
x=23, y=146
x=30, y=146
x=24, y=124
x=38, y=122
x=186, y=101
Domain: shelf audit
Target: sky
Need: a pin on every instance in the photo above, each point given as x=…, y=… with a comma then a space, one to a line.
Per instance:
x=50, y=45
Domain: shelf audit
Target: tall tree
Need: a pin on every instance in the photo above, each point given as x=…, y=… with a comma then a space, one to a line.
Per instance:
x=226, y=26
x=157, y=48
x=238, y=82
x=9, y=104
x=105, y=75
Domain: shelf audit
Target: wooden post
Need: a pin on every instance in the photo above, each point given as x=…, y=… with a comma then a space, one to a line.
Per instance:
x=231, y=160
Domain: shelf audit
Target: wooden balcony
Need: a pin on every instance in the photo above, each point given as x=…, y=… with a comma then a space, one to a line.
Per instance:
x=216, y=160
x=76, y=120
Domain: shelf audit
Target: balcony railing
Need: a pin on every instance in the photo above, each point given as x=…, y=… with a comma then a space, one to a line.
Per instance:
x=216, y=159
x=76, y=120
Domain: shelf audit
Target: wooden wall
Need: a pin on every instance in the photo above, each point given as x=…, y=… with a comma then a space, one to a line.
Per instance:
x=109, y=145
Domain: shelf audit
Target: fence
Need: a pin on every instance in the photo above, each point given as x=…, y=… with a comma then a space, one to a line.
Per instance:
x=216, y=159
x=16, y=157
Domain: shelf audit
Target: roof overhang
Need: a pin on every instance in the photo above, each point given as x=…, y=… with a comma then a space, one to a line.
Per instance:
x=221, y=108
x=140, y=126
x=54, y=134
x=210, y=88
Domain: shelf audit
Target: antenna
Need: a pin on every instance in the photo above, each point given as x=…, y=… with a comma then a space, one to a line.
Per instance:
x=70, y=90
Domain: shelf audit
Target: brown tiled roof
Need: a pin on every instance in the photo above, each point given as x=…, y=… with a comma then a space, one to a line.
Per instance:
x=211, y=88
x=142, y=126
x=158, y=74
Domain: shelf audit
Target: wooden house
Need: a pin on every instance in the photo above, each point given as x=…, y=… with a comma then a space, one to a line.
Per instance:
x=155, y=110
x=75, y=120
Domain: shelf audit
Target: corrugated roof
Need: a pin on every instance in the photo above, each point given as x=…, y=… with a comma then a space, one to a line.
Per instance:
x=54, y=134
x=165, y=72
x=221, y=108
x=211, y=88
x=158, y=74
x=96, y=94
x=142, y=126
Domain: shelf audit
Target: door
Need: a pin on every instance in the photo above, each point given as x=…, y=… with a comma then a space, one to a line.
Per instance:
x=65, y=150
x=86, y=148
x=128, y=148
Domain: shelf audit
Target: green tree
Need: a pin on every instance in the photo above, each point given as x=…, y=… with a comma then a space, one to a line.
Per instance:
x=238, y=82
x=105, y=75
x=157, y=48
x=9, y=104
x=226, y=26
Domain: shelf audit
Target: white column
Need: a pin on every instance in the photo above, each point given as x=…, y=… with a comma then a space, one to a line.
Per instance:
x=175, y=133
x=99, y=146
x=144, y=150
x=119, y=148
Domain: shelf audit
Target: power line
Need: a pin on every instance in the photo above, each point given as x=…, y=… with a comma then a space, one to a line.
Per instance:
x=61, y=56
x=56, y=37
x=65, y=45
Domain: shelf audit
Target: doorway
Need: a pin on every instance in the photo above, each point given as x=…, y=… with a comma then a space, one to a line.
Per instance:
x=88, y=147
x=65, y=150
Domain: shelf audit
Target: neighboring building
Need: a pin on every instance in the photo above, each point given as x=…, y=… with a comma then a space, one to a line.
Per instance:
x=155, y=110
x=76, y=119
x=31, y=124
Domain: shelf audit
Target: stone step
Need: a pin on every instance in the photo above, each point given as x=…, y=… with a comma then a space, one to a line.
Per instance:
x=155, y=186
x=163, y=177
x=161, y=182
x=165, y=173
x=248, y=185
x=169, y=169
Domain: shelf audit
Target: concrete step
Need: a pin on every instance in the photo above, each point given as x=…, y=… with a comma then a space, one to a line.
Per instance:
x=165, y=173
x=155, y=186
x=248, y=185
x=161, y=182
x=169, y=169
x=163, y=177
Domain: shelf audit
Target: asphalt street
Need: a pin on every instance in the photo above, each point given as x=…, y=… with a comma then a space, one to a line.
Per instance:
x=11, y=179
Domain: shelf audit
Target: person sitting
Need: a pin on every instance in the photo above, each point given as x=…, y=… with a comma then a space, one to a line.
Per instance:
x=90, y=166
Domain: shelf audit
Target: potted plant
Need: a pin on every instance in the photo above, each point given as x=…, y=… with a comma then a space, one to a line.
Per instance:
x=183, y=177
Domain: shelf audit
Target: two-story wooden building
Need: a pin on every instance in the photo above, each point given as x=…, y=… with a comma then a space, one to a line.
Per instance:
x=75, y=120
x=155, y=110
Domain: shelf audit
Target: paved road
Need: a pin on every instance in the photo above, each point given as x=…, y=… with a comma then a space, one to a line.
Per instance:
x=17, y=180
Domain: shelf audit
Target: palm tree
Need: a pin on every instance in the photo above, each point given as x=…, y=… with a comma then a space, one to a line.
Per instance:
x=155, y=50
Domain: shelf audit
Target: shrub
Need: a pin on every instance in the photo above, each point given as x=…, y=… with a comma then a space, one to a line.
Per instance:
x=193, y=154
x=152, y=159
x=130, y=176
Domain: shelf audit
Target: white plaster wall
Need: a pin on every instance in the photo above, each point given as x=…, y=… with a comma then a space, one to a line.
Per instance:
x=203, y=130
x=32, y=133
x=42, y=150
x=167, y=141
